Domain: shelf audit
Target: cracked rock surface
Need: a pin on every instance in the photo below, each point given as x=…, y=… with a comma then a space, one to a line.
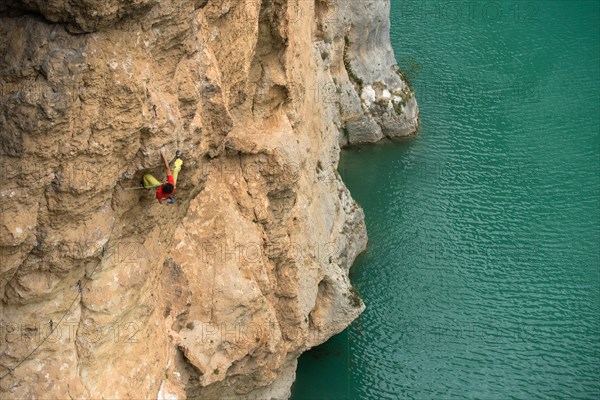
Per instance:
x=217, y=295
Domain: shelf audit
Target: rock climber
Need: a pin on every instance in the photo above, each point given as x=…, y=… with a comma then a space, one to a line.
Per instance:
x=165, y=190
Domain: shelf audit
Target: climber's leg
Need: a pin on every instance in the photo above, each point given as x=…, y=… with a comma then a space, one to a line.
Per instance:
x=150, y=181
x=176, y=169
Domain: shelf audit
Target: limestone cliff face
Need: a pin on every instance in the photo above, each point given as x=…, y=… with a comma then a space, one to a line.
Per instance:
x=217, y=295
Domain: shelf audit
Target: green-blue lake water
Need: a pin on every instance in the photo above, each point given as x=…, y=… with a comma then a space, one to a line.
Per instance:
x=482, y=275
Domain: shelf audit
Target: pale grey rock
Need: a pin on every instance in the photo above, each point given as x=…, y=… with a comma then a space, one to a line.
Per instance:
x=372, y=90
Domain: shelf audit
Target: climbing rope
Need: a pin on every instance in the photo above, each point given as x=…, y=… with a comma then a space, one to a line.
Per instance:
x=142, y=187
x=80, y=287
x=10, y=370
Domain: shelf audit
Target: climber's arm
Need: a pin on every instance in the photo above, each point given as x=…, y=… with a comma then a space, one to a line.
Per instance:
x=162, y=153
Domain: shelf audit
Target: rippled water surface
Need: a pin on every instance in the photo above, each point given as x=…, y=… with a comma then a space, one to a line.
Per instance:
x=482, y=275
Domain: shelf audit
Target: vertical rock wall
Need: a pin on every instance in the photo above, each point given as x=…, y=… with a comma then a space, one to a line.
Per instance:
x=217, y=295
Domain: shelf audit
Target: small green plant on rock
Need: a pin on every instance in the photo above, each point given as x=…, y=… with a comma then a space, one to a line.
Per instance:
x=404, y=97
x=397, y=107
x=354, y=297
x=351, y=73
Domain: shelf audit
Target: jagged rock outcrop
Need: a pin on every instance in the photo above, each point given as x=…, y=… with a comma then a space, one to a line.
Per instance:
x=373, y=99
x=217, y=295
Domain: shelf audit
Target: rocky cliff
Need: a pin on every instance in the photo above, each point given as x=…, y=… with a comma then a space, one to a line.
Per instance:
x=105, y=293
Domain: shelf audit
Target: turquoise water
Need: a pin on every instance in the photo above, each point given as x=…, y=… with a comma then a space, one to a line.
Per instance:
x=482, y=275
